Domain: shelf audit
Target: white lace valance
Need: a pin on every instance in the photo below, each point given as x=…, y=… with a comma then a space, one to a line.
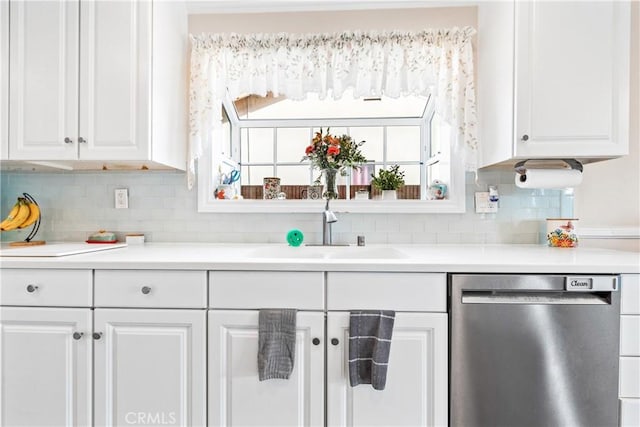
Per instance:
x=437, y=62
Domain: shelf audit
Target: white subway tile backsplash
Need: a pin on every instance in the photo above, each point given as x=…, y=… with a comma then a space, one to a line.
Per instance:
x=76, y=204
x=424, y=238
x=449, y=238
x=407, y=224
x=388, y=225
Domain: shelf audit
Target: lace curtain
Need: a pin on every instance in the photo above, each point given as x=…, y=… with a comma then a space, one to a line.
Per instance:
x=436, y=62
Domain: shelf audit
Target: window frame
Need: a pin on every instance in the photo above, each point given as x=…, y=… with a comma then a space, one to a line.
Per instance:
x=206, y=171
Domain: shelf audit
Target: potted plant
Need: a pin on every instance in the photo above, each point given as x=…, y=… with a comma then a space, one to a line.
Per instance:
x=388, y=181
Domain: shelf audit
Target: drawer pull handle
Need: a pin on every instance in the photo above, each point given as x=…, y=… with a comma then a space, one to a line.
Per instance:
x=146, y=290
x=32, y=288
x=97, y=335
x=77, y=335
x=316, y=341
x=335, y=341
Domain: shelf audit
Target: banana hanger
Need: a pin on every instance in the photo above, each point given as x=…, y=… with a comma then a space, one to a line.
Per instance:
x=28, y=241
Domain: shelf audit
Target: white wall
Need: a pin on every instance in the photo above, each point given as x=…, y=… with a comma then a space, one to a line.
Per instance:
x=610, y=192
x=328, y=22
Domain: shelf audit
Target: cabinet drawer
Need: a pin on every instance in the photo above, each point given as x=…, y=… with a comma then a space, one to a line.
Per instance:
x=46, y=287
x=629, y=412
x=629, y=335
x=387, y=291
x=630, y=377
x=151, y=288
x=630, y=288
x=266, y=289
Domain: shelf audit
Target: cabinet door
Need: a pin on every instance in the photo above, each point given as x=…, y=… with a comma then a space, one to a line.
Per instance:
x=115, y=64
x=4, y=80
x=572, y=78
x=45, y=371
x=150, y=367
x=238, y=398
x=43, y=79
x=416, y=392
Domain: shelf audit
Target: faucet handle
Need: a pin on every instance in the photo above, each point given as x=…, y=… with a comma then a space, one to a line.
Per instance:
x=330, y=217
x=360, y=240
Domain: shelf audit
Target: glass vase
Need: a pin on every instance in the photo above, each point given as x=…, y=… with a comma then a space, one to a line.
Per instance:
x=330, y=189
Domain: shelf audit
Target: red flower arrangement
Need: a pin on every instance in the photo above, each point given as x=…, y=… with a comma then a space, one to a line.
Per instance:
x=334, y=152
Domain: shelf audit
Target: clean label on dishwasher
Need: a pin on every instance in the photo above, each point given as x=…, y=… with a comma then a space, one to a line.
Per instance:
x=579, y=284
x=591, y=283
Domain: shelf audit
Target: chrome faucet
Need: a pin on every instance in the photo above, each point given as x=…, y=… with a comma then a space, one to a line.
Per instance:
x=328, y=218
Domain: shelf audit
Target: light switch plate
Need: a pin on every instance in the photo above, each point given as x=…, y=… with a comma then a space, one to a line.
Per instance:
x=122, y=198
x=484, y=205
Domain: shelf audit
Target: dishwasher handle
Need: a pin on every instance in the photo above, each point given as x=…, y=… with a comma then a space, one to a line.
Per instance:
x=535, y=297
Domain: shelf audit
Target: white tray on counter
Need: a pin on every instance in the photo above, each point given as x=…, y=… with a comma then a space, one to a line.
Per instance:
x=56, y=249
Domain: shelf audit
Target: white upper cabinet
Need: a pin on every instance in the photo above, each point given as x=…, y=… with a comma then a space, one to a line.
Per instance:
x=4, y=80
x=115, y=76
x=43, y=80
x=553, y=80
x=98, y=81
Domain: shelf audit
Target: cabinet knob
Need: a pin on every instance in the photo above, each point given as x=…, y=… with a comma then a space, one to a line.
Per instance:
x=77, y=335
x=145, y=290
x=31, y=288
x=525, y=137
x=68, y=140
x=316, y=341
x=81, y=140
x=97, y=335
x=335, y=341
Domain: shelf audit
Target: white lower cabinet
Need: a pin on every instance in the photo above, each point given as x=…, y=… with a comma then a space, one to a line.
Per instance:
x=150, y=367
x=629, y=412
x=104, y=366
x=416, y=389
x=415, y=395
x=416, y=392
x=238, y=398
x=45, y=366
x=630, y=351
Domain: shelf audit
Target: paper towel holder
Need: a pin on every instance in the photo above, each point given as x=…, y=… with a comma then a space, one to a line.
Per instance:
x=522, y=170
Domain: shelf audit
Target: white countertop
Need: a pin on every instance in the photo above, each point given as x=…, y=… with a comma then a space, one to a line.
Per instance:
x=458, y=258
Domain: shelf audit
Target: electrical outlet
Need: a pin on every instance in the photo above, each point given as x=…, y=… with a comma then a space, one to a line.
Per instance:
x=484, y=204
x=122, y=198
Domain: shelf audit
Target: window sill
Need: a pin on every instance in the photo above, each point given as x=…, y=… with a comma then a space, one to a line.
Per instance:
x=316, y=206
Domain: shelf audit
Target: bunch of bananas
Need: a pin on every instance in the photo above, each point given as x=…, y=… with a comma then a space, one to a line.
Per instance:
x=23, y=214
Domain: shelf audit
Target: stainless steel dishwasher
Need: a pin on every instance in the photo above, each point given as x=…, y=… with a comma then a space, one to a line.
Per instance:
x=534, y=350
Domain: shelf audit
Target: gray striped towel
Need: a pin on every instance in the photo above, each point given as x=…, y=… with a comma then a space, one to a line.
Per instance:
x=276, y=343
x=369, y=346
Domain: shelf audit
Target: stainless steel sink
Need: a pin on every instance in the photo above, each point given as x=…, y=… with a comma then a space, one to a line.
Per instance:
x=283, y=252
x=327, y=252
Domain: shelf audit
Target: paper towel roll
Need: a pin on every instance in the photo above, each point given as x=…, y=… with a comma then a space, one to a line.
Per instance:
x=549, y=178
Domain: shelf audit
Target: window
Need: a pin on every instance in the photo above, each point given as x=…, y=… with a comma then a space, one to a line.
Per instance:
x=265, y=137
x=277, y=152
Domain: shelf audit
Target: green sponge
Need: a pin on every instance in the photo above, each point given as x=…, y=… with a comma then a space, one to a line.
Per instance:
x=295, y=237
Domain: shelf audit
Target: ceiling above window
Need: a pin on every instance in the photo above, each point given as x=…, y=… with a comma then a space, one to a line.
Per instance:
x=273, y=108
